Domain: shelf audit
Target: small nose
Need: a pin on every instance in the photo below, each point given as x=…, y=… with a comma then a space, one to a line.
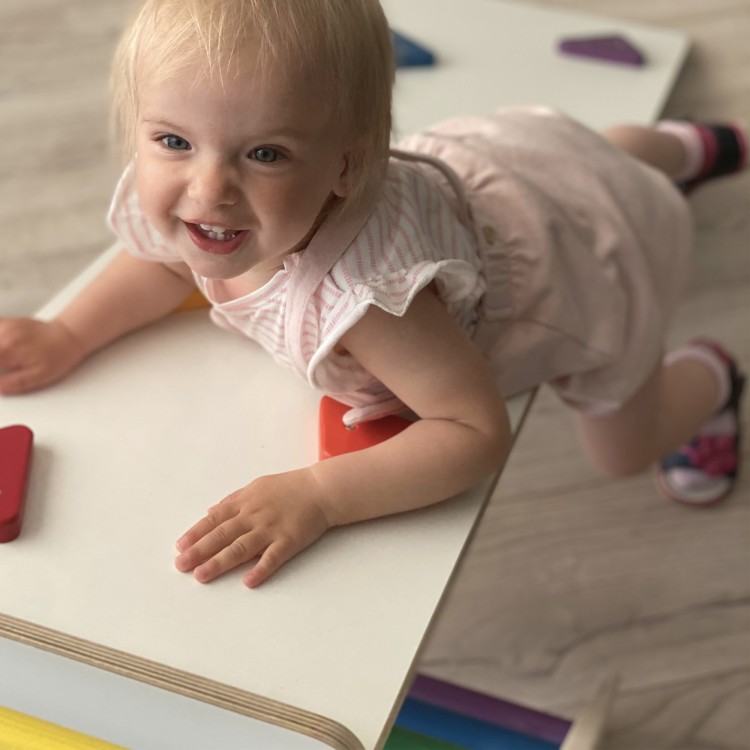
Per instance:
x=213, y=183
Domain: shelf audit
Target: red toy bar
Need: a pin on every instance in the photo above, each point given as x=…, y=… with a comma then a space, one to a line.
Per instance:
x=335, y=438
x=15, y=461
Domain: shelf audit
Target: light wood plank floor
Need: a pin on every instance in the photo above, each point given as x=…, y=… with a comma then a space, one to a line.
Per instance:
x=570, y=577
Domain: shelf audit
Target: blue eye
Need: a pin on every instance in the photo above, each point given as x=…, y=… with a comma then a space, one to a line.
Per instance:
x=265, y=154
x=175, y=143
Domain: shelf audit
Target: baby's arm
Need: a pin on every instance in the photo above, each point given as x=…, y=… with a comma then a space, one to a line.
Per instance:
x=129, y=293
x=463, y=434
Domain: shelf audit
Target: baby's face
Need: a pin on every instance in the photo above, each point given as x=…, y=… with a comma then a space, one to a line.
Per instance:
x=234, y=174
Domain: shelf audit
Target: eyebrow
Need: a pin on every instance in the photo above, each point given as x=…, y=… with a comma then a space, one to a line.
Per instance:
x=291, y=133
x=161, y=123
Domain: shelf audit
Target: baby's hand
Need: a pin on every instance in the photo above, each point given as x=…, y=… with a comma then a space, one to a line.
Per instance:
x=35, y=353
x=273, y=518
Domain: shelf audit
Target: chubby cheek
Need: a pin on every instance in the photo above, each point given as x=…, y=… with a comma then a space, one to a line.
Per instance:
x=298, y=205
x=157, y=195
x=301, y=209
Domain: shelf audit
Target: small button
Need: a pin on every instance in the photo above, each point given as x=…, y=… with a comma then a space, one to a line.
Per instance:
x=490, y=235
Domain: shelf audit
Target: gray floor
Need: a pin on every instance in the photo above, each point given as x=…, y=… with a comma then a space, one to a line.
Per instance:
x=570, y=577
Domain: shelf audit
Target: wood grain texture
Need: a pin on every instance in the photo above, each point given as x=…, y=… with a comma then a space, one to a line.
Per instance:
x=570, y=577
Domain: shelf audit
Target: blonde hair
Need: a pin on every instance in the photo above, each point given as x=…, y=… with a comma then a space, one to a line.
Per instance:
x=344, y=46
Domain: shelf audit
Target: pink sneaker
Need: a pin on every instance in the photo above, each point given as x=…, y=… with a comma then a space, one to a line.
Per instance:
x=725, y=153
x=704, y=471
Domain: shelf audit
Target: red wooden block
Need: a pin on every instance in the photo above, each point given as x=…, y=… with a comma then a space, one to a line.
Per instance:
x=15, y=461
x=335, y=439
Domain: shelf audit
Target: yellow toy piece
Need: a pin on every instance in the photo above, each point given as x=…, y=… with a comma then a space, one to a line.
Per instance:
x=195, y=301
x=22, y=732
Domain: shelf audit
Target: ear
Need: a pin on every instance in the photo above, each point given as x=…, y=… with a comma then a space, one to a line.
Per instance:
x=341, y=187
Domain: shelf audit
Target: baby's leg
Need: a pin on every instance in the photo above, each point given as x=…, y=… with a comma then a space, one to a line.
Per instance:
x=668, y=409
x=659, y=149
x=689, y=153
x=694, y=394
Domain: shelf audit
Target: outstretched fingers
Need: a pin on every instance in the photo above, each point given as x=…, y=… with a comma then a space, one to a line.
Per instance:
x=34, y=354
x=222, y=541
x=271, y=560
x=216, y=544
x=272, y=519
x=14, y=382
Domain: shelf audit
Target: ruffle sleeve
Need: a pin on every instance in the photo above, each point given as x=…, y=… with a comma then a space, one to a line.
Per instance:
x=457, y=283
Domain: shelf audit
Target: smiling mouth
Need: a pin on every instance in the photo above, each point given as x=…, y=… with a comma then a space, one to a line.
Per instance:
x=215, y=240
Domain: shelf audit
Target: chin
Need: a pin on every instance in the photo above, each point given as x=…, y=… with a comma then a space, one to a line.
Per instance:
x=217, y=274
x=216, y=268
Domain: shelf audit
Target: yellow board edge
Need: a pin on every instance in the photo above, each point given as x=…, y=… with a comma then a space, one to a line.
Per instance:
x=22, y=732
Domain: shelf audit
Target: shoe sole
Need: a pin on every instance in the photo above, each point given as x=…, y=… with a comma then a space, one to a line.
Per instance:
x=665, y=490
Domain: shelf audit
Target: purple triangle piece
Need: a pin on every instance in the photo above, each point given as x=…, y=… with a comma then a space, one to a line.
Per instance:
x=613, y=48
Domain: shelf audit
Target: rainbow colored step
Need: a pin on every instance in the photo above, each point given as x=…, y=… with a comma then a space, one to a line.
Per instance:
x=439, y=716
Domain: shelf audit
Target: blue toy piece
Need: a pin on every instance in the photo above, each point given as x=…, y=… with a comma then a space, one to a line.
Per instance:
x=408, y=53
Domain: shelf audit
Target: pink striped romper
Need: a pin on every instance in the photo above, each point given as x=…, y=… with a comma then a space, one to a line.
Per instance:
x=558, y=254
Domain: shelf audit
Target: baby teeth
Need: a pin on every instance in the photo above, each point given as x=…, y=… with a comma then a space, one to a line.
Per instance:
x=218, y=233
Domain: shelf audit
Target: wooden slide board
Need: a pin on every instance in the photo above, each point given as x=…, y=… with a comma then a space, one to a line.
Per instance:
x=134, y=447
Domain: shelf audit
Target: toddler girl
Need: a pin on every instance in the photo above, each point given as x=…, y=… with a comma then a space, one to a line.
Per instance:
x=487, y=256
